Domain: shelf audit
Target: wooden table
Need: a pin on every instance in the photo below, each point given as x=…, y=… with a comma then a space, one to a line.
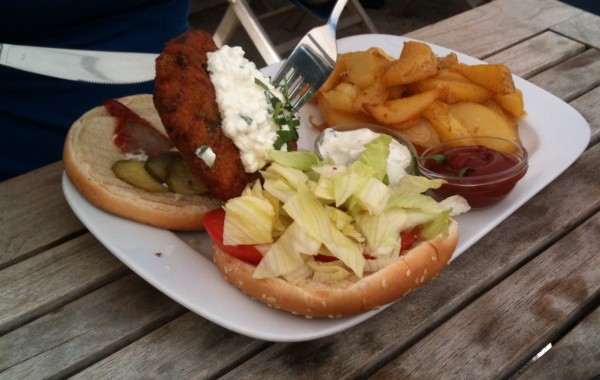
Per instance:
x=68, y=307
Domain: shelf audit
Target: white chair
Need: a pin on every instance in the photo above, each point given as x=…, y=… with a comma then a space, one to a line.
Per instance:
x=240, y=12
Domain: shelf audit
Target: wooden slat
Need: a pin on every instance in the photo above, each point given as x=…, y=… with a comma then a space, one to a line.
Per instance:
x=550, y=49
x=26, y=205
x=587, y=105
x=189, y=347
x=41, y=283
x=492, y=27
x=516, y=324
x=357, y=351
x=584, y=28
x=575, y=356
x=69, y=339
x=573, y=77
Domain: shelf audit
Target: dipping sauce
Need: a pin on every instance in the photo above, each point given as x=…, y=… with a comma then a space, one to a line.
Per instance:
x=471, y=161
x=344, y=147
x=483, y=175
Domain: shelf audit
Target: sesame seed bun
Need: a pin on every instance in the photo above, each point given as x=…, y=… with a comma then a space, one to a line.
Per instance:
x=315, y=299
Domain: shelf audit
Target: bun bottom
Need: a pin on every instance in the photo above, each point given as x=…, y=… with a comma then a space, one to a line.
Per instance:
x=313, y=299
x=88, y=155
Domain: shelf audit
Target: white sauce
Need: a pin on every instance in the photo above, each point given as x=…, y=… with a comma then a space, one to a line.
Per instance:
x=344, y=147
x=206, y=154
x=245, y=110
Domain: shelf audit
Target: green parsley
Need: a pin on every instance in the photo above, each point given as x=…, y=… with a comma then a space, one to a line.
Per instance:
x=284, y=115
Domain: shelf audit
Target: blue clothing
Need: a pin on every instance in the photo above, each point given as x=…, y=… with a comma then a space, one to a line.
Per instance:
x=36, y=111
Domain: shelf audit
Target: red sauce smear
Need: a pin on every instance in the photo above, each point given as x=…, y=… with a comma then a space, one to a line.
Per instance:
x=133, y=133
x=467, y=162
x=478, y=160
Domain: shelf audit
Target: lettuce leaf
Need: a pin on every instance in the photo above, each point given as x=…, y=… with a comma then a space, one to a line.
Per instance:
x=310, y=214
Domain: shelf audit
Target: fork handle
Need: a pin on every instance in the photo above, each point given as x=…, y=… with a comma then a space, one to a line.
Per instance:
x=335, y=14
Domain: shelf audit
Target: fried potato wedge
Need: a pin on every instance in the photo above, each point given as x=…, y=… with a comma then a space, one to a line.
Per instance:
x=513, y=103
x=417, y=61
x=335, y=78
x=452, y=91
x=495, y=77
x=448, y=127
x=447, y=61
x=425, y=97
x=375, y=94
x=399, y=110
x=342, y=97
x=364, y=69
x=480, y=120
x=332, y=116
x=420, y=133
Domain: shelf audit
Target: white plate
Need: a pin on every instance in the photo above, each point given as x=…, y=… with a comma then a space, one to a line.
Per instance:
x=180, y=265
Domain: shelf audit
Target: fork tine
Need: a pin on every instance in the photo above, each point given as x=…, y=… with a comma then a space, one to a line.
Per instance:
x=312, y=60
x=304, y=98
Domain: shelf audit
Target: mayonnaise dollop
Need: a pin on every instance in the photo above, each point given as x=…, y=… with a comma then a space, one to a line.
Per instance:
x=244, y=107
x=344, y=147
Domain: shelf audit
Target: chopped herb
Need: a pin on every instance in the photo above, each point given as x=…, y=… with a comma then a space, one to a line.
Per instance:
x=284, y=115
x=438, y=158
x=247, y=119
x=463, y=172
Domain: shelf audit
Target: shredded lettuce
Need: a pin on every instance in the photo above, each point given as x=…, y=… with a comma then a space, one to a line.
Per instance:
x=310, y=214
x=307, y=207
x=302, y=160
x=285, y=255
x=248, y=220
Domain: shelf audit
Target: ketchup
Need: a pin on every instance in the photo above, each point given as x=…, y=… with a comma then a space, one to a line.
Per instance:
x=483, y=176
x=471, y=161
x=133, y=133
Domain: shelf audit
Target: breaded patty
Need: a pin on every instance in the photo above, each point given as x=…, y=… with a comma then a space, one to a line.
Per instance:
x=185, y=99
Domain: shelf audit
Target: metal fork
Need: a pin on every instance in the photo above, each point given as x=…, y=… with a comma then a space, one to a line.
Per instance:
x=312, y=60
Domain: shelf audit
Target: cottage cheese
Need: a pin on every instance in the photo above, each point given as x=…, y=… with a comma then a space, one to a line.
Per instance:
x=244, y=106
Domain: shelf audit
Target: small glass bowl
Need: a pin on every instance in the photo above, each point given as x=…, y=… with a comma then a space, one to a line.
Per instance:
x=373, y=127
x=482, y=190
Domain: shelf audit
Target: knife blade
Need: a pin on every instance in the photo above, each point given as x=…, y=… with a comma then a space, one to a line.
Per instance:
x=80, y=65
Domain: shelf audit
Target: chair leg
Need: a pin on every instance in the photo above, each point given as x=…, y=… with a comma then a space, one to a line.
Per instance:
x=357, y=8
x=226, y=27
x=240, y=12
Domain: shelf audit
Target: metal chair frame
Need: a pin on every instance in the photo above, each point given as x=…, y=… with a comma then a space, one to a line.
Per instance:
x=240, y=12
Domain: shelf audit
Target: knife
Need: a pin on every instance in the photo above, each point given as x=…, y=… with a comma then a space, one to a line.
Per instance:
x=80, y=65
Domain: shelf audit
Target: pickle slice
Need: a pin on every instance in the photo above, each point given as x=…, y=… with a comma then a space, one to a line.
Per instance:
x=158, y=166
x=134, y=173
x=181, y=180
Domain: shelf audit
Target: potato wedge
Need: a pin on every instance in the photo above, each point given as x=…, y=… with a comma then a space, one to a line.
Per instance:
x=342, y=97
x=451, y=75
x=447, y=61
x=375, y=94
x=495, y=77
x=420, y=133
x=332, y=116
x=417, y=61
x=480, y=120
x=366, y=68
x=452, y=91
x=513, y=103
x=334, y=78
x=443, y=121
x=398, y=110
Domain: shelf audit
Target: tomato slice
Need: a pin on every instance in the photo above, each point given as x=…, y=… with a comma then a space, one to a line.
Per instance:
x=214, y=222
x=408, y=238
